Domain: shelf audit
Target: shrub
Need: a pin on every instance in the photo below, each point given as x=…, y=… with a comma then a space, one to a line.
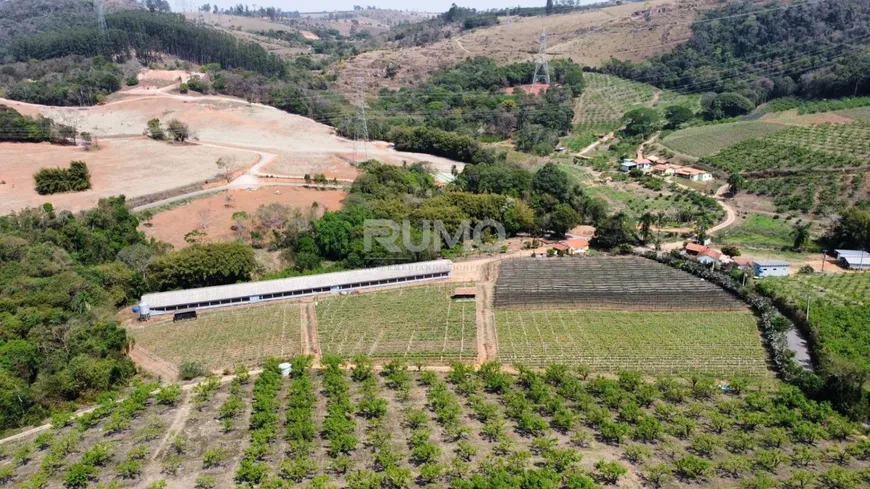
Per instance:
x=610, y=472
x=161, y=484
x=79, y=475
x=692, y=468
x=76, y=178
x=214, y=457
x=205, y=482
x=168, y=395
x=129, y=469
x=191, y=370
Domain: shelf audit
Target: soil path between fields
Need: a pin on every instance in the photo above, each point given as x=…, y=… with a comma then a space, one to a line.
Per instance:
x=175, y=427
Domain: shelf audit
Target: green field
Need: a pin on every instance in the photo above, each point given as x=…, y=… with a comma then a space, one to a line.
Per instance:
x=758, y=231
x=680, y=207
x=226, y=338
x=718, y=343
x=706, y=140
x=413, y=323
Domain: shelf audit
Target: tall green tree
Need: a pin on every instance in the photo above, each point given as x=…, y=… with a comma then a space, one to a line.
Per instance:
x=736, y=181
x=801, y=235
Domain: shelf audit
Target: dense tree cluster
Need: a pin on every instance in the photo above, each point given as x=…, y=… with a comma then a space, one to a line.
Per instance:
x=763, y=51
x=149, y=35
x=76, y=178
x=59, y=285
x=203, y=266
x=475, y=97
x=19, y=128
x=69, y=81
x=437, y=142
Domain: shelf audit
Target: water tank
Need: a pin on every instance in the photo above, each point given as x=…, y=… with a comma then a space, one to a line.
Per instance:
x=285, y=369
x=144, y=309
x=135, y=309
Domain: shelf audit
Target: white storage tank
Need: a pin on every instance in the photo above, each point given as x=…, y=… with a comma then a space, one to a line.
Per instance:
x=285, y=369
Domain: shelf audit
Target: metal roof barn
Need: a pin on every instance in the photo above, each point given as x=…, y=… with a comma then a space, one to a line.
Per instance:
x=252, y=292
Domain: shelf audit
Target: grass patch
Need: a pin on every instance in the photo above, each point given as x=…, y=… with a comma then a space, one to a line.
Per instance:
x=758, y=230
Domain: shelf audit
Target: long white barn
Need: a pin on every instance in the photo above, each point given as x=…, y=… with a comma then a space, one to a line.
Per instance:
x=268, y=290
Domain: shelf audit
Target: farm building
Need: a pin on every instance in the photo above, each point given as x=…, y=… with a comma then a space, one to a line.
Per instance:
x=770, y=268
x=627, y=165
x=285, y=288
x=853, y=259
x=695, y=249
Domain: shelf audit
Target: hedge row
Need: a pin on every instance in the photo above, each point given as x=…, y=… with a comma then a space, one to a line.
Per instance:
x=76, y=178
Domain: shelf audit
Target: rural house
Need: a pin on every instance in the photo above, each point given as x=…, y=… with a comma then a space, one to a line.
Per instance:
x=693, y=174
x=770, y=268
x=663, y=170
x=709, y=256
x=627, y=165
x=695, y=249
x=576, y=246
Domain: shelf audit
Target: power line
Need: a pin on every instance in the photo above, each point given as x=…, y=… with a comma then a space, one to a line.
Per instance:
x=542, y=66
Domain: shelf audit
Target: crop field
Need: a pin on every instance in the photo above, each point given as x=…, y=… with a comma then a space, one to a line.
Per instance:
x=226, y=338
x=607, y=283
x=716, y=343
x=409, y=429
x=706, y=140
x=679, y=207
x=852, y=140
x=606, y=98
x=413, y=323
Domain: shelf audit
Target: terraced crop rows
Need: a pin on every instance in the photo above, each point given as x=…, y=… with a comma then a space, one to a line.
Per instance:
x=851, y=140
x=415, y=323
x=707, y=140
x=223, y=339
x=606, y=98
x=716, y=343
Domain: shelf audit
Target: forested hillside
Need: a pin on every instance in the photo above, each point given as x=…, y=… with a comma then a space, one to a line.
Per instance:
x=815, y=49
x=20, y=18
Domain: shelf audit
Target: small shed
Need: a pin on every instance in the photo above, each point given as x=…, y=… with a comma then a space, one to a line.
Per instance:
x=770, y=268
x=184, y=315
x=466, y=293
x=627, y=166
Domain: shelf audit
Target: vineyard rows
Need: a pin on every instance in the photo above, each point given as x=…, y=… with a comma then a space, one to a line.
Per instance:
x=223, y=339
x=606, y=283
x=716, y=343
x=834, y=288
x=415, y=322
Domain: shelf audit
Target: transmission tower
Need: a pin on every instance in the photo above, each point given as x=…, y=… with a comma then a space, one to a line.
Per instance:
x=542, y=66
x=101, y=15
x=361, y=127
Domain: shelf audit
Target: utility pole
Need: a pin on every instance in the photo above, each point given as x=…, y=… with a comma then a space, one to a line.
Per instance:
x=542, y=66
x=361, y=127
x=101, y=15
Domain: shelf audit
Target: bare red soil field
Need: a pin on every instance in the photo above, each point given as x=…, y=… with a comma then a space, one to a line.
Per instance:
x=133, y=167
x=172, y=225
